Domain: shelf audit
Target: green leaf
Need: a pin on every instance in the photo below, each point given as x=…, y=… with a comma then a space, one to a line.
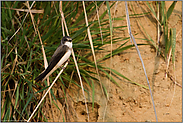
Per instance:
x=93, y=94
x=151, y=8
x=170, y=9
x=17, y=95
x=7, y=115
x=28, y=102
x=173, y=42
x=7, y=31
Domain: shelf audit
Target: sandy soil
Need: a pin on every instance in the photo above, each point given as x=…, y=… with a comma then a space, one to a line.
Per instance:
x=133, y=103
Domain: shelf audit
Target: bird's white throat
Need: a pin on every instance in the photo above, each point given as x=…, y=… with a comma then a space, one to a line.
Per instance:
x=69, y=44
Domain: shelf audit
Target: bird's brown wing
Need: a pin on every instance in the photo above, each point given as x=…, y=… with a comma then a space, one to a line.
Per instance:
x=58, y=54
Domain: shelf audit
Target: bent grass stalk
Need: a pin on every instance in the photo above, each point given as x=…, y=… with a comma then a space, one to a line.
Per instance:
x=132, y=38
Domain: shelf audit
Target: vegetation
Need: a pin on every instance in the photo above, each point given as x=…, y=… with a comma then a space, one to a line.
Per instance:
x=22, y=57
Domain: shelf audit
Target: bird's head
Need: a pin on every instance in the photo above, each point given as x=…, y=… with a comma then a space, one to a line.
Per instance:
x=66, y=39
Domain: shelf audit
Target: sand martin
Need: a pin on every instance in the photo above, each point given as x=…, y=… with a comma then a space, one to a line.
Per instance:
x=60, y=56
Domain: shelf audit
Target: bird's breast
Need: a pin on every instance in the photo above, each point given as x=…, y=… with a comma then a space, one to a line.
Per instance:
x=69, y=44
x=64, y=58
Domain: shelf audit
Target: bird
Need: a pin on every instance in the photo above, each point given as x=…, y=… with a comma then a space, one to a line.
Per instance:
x=60, y=56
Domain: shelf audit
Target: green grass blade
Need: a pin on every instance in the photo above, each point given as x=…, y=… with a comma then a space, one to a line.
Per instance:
x=17, y=95
x=151, y=8
x=93, y=94
x=7, y=115
x=173, y=40
x=170, y=9
x=28, y=102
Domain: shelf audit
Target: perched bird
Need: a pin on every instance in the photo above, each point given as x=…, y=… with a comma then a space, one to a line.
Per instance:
x=60, y=56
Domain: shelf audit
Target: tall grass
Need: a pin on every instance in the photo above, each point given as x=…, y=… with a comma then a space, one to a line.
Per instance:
x=22, y=56
x=162, y=16
x=22, y=59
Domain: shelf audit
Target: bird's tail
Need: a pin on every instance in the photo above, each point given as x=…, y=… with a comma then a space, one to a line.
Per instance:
x=45, y=74
x=40, y=77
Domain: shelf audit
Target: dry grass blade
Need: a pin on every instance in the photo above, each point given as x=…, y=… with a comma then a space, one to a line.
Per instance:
x=93, y=52
x=154, y=15
x=80, y=82
x=174, y=79
x=168, y=61
x=37, y=32
x=22, y=22
x=22, y=31
x=115, y=10
x=47, y=92
x=44, y=55
x=63, y=18
x=3, y=69
x=159, y=27
x=99, y=21
x=132, y=38
x=65, y=23
x=91, y=43
x=11, y=50
x=14, y=63
x=45, y=65
x=31, y=16
x=26, y=10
